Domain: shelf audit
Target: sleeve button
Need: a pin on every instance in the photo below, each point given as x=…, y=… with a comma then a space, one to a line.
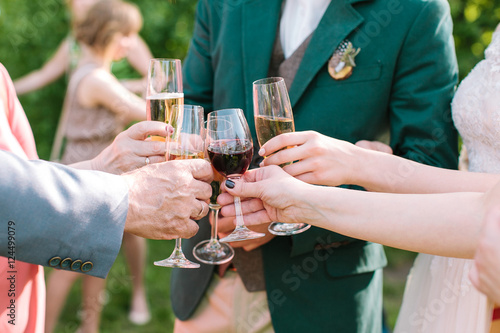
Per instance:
x=66, y=263
x=87, y=266
x=76, y=265
x=54, y=261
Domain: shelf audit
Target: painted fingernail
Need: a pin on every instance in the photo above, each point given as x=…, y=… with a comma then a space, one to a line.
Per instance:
x=262, y=152
x=230, y=183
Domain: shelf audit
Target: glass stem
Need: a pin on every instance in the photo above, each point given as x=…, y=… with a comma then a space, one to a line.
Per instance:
x=178, y=248
x=239, y=213
x=214, y=211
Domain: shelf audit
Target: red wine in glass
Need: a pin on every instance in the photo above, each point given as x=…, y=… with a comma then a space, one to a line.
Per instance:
x=230, y=149
x=230, y=157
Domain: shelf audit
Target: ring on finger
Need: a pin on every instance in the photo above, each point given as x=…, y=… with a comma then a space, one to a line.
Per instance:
x=203, y=211
x=147, y=161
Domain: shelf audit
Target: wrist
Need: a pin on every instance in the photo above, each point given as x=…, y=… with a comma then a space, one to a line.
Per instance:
x=326, y=206
x=305, y=199
x=360, y=158
x=129, y=181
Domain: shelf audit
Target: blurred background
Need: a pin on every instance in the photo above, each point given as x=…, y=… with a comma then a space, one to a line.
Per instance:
x=30, y=32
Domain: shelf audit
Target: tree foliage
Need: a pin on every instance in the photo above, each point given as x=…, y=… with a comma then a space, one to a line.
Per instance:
x=31, y=30
x=474, y=23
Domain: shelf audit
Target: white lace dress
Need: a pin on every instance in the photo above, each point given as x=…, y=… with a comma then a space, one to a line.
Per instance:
x=439, y=297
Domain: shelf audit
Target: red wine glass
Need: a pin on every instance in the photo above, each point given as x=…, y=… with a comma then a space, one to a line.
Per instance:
x=230, y=150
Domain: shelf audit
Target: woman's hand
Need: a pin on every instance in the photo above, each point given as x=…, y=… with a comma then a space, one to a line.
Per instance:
x=130, y=149
x=273, y=196
x=320, y=159
x=485, y=274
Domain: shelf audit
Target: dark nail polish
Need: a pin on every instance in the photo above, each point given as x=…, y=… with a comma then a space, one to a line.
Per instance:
x=230, y=183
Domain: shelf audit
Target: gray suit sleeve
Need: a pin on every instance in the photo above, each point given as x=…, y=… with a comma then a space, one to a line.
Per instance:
x=53, y=215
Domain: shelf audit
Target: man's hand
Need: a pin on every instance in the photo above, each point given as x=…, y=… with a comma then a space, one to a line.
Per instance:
x=130, y=149
x=164, y=198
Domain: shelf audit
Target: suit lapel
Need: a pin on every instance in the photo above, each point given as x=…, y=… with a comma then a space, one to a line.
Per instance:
x=259, y=23
x=339, y=20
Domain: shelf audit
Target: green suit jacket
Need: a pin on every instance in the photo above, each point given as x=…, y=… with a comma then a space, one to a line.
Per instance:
x=403, y=83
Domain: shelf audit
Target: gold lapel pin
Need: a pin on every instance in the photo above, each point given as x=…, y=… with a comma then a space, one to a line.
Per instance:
x=342, y=62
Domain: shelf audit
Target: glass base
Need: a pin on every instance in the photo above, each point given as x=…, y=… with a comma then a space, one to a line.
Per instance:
x=213, y=252
x=242, y=233
x=179, y=262
x=287, y=229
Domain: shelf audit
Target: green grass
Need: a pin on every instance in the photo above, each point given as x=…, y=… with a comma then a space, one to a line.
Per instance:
x=118, y=287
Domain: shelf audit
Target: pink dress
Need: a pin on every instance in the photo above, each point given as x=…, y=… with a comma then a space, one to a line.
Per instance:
x=16, y=136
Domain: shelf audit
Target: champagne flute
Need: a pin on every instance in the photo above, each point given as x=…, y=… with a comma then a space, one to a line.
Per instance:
x=212, y=251
x=273, y=116
x=187, y=142
x=230, y=150
x=164, y=91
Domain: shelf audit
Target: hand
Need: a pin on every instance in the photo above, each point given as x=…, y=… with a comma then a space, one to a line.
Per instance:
x=253, y=211
x=130, y=148
x=485, y=274
x=165, y=197
x=321, y=160
x=276, y=197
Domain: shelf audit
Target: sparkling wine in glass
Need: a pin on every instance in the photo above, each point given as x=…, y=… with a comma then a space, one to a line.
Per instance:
x=164, y=91
x=187, y=142
x=273, y=116
x=230, y=150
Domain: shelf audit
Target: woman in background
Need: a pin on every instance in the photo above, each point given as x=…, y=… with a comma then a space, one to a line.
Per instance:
x=97, y=107
x=67, y=56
